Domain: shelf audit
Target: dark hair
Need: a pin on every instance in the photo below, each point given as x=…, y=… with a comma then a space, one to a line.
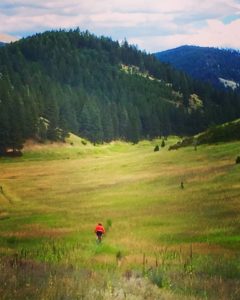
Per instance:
x=100, y=224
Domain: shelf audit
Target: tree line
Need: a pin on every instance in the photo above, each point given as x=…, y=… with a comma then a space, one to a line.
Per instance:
x=61, y=81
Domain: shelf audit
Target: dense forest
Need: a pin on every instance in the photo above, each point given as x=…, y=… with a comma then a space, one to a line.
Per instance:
x=61, y=81
x=220, y=67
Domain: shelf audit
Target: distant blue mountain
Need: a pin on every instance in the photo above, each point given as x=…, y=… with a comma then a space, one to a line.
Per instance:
x=220, y=67
x=2, y=44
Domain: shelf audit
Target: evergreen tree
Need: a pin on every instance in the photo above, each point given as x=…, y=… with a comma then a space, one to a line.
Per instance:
x=90, y=122
x=134, y=125
x=52, y=117
x=107, y=123
x=4, y=128
x=16, y=124
x=123, y=121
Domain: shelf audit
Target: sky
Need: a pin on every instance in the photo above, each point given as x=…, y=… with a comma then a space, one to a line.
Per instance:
x=152, y=25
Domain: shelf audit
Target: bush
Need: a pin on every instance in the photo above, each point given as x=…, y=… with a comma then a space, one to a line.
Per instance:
x=119, y=255
x=156, y=276
x=163, y=144
x=156, y=148
x=109, y=224
x=238, y=160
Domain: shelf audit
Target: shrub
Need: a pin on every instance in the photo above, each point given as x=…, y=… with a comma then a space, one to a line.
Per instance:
x=108, y=224
x=156, y=276
x=238, y=160
x=119, y=255
x=156, y=148
x=163, y=144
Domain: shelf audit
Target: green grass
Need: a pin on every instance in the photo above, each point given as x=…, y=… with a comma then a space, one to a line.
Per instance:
x=58, y=194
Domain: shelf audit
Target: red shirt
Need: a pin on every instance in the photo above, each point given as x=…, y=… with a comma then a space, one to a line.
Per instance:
x=100, y=228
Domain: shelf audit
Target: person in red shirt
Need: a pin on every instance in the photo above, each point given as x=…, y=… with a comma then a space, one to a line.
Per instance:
x=99, y=230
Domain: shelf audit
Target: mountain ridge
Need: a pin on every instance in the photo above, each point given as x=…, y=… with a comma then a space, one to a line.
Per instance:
x=219, y=67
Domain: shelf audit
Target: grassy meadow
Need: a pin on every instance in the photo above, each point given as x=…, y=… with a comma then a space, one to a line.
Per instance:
x=162, y=241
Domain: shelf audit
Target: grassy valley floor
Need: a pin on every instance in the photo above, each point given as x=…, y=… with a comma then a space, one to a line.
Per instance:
x=162, y=241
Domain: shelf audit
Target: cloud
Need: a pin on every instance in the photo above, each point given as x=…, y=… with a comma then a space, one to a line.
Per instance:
x=148, y=23
x=215, y=34
x=6, y=38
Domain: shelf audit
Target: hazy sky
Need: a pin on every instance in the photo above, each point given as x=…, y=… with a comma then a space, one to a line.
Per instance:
x=153, y=25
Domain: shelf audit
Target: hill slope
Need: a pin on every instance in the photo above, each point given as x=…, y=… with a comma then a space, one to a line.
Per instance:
x=226, y=132
x=217, y=66
x=61, y=81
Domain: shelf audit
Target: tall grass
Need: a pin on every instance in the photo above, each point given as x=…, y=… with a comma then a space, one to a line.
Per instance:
x=184, y=240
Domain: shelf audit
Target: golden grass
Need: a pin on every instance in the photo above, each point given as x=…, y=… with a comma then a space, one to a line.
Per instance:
x=36, y=231
x=137, y=189
x=56, y=203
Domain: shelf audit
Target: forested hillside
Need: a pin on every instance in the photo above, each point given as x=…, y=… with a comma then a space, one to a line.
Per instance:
x=220, y=67
x=60, y=81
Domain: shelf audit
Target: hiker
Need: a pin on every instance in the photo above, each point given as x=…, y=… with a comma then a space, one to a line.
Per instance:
x=99, y=230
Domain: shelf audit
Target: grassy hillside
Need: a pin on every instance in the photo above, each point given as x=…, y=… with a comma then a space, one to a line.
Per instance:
x=226, y=132
x=162, y=241
x=223, y=133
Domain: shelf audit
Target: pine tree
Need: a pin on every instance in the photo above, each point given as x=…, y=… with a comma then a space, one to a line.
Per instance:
x=52, y=117
x=16, y=124
x=107, y=122
x=4, y=128
x=134, y=125
x=90, y=122
x=123, y=121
